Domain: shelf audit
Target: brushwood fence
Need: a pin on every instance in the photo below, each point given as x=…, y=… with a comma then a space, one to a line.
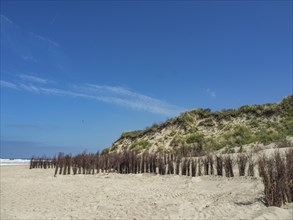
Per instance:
x=42, y=162
x=276, y=171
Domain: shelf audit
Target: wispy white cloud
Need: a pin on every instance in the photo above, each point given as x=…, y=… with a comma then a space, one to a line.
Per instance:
x=60, y=92
x=29, y=58
x=5, y=19
x=107, y=94
x=23, y=126
x=211, y=93
x=33, y=79
x=29, y=88
x=126, y=97
x=7, y=84
x=53, y=20
x=29, y=46
x=44, y=39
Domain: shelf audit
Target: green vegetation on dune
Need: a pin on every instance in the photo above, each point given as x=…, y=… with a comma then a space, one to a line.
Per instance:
x=195, y=138
x=215, y=130
x=139, y=133
x=131, y=134
x=140, y=145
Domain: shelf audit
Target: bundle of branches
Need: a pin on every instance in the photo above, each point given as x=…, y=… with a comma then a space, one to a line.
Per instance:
x=194, y=165
x=205, y=165
x=42, y=162
x=228, y=166
x=289, y=173
x=199, y=163
x=276, y=173
x=251, y=165
x=219, y=161
x=211, y=161
x=241, y=161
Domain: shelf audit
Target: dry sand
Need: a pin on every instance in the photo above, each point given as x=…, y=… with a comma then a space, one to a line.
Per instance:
x=36, y=194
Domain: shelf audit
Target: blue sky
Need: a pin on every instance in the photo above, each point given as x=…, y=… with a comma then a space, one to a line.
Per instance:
x=75, y=74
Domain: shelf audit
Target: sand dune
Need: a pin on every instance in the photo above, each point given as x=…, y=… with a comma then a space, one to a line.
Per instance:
x=36, y=194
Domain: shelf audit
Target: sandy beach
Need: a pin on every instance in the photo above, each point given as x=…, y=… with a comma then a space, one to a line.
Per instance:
x=37, y=194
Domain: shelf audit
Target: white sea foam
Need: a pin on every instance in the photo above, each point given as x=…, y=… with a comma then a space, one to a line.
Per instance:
x=7, y=162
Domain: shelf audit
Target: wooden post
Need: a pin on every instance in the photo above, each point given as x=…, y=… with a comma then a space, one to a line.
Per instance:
x=174, y=168
x=199, y=167
x=180, y=168
x=167, y=169
x=190, y=167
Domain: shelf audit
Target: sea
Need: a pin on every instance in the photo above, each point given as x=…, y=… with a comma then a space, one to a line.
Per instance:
x=9, y=162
